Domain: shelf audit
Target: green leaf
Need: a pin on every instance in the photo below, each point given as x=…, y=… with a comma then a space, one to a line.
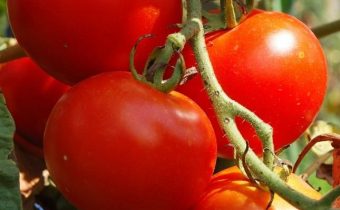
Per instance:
x=291, y=154
x=286, y=5
x=9, y=173
x=319, y=184
x=283, y=5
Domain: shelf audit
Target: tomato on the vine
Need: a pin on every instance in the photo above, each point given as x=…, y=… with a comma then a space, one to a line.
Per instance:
x=112, y=142
x=30, y=96
x=273, y=65
x=231, y=190
x=73, y=40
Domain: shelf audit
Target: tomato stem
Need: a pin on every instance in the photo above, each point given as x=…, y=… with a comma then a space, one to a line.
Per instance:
x=229, y=12
x=227, y=110
x=160, y=57
x=11, y=52
x=158, y=62
x=326, y=29
x=226, y=107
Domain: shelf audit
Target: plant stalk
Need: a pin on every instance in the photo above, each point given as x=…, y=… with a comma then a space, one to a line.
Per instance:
x=11, y=53
x=222, y=102
x=326, y=29
x=229, y=12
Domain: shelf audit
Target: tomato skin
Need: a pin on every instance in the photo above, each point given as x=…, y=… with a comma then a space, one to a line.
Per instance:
x=73, y=40
x=231, y=190
x=30, y=96
x=273, y=65
x=112, y=142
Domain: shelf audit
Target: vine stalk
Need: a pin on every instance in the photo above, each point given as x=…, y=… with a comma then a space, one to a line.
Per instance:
x=227, y=109
x=11, y=52
x=326, y=29
x=230, y=15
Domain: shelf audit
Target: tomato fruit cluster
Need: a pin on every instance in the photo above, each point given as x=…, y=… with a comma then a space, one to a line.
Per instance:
x=135, y=146
x=273, y=65
x=140, y=148
x=30, y=96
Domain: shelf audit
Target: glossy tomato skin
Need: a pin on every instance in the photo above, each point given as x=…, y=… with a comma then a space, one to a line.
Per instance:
x=73, y=40
x=112, y=142
x=30, y=96
x=273, y=65
x=231, y=190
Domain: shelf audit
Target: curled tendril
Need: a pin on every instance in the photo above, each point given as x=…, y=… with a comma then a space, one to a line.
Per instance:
x=157, y=64
x=271, y=199
x=245, y=166
x=324, y=137
x=133, y=69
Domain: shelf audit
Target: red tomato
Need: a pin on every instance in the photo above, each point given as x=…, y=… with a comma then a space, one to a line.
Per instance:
x=73, y=40
x=231, y=190
x=30, y=96
x=112, y=142
x=273, y=65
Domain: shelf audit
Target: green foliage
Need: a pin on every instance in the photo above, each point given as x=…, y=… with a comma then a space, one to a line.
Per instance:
x=9, y=173
x=2, y=7
x=291, y=154
x=3, y=17
x=286, y=5
x=283, y=5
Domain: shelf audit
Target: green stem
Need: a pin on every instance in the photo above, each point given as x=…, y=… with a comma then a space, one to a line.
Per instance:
x=229, y=13
x=221, y=102
x=327, y=29
x=11, y=52
x=230, y=108
x=157, y=62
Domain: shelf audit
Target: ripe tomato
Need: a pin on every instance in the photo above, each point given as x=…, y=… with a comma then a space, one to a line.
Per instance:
x=73, y=40
x=273, y=65
x=231, y=190
x=112, y=142
x=30, y=96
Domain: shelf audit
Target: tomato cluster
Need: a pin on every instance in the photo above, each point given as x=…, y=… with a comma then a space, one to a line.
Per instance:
x=137, y=147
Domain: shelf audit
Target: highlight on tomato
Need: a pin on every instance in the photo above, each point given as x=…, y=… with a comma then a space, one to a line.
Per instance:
x=83, y=38
x=112, y=142
x=30, y=95
x=229, y=189
x=273, y=65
